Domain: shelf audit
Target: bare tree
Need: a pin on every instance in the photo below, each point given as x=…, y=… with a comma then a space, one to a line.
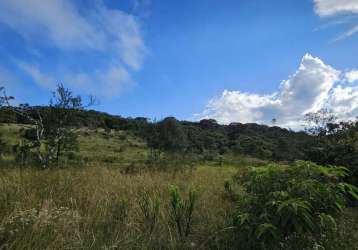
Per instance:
x=4, y=99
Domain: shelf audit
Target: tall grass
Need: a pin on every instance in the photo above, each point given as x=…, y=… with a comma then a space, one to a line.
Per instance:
x=101, y=208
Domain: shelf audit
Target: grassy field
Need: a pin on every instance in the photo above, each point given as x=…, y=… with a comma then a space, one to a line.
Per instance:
x=78, y=206
x=97, y=205
x=99, y=208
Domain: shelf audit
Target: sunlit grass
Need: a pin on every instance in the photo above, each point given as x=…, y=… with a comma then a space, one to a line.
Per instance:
x=86, y=198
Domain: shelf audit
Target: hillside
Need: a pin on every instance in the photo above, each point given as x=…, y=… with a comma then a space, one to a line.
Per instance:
x=115, y=148
x=260, y=141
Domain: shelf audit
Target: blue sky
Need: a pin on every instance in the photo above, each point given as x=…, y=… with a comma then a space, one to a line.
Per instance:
x=232, y=60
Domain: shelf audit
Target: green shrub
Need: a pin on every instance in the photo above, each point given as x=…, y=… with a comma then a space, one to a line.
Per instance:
x=285, y=205
x=181, y=211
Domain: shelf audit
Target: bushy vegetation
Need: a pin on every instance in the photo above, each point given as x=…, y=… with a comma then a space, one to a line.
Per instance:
x=293, y=206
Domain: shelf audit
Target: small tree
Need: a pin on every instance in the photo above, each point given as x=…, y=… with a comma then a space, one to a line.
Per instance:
x=52, y=126
x=166, y=135
x=171, y=135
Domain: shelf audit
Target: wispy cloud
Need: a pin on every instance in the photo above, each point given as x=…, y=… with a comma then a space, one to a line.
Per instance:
x=114, y=80
x=348, y=33
x=337, y=9
x=39, y=77
x=326, y=8
x=59, y=24
x=313, y=86
x=142, y=8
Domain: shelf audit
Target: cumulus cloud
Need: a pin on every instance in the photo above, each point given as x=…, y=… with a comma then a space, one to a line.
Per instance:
x=351, y=76
x=99, y=30
x=315, y=85
x=332, y=8
x=344, y=101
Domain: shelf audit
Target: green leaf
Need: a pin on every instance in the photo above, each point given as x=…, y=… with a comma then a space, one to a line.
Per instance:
x=266, y=228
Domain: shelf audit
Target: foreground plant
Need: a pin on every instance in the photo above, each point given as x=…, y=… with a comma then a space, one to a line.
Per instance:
x=150, y=210
x=181, y=210
x=285, y=205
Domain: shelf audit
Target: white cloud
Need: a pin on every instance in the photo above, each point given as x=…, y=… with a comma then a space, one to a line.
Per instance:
x=235, y=106
x=332, y=8
x=308, y=88
x=112, y=81
x=312, y=87
x=344, y=101
x=60, y=24
x=351, y=76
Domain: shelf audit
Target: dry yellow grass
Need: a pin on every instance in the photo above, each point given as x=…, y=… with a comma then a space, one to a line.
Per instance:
x=77, y=208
